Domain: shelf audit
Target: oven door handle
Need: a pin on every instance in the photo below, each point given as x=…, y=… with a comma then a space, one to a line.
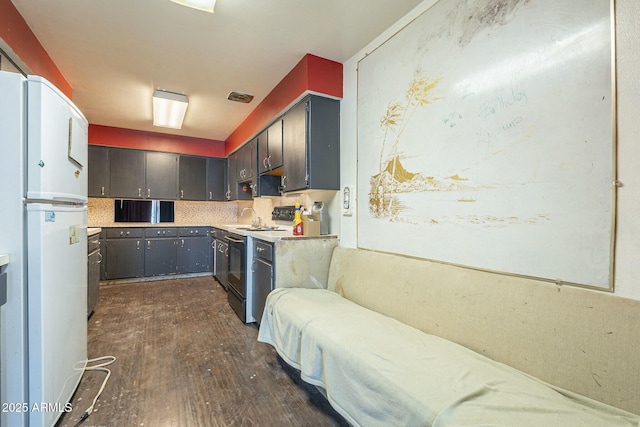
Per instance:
x=232, y=239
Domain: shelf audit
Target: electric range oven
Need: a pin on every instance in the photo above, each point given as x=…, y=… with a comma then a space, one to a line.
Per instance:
x=236, y=292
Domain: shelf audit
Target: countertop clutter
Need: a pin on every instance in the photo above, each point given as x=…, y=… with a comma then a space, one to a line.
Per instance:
x=280, y=233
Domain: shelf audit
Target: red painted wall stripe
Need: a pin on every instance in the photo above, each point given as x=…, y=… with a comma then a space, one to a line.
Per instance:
x=311, y=73
x=151, y=141
x=16, y=33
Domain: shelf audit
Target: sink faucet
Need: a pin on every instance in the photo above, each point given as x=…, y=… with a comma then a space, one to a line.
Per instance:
x=256, y=222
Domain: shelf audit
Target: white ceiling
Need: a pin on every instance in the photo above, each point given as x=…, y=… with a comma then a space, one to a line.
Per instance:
x=114, y=53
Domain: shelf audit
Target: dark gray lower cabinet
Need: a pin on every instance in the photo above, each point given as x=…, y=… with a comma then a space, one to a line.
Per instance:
x=263, y=276
x=156, y=251
x=194, y=250
x=160, y=251
x=93, y=272
x=124, y=258
x=194, y=254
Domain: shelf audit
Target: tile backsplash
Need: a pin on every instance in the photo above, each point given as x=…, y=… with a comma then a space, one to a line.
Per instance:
x=101, y=213
x=101, y=210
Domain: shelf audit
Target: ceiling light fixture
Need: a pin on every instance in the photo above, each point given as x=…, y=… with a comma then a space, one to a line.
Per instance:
x=169, y=109
x=204, y=5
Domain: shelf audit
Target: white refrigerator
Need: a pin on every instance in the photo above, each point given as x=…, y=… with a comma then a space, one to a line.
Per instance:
x=43, y=221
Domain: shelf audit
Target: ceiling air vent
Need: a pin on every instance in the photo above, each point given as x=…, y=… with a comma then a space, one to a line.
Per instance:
x=240, y=97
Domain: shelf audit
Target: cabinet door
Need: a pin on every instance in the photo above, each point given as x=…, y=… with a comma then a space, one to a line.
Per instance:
x=125, y=259
x=294, y=143
x=262, y=285
x=263, y=152
x=160, y=257
x=274, y=159
x=194, y=255
x=222, y=262
x=232, y=180
x=98, y=171
x=161, y=176
x=249, y=158
x=323, y=143
x=216, y=179
x=93, y=281
x=126, y=173
x=192, y=178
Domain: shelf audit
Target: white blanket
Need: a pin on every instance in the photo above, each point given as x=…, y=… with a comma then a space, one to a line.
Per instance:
x=377, y=371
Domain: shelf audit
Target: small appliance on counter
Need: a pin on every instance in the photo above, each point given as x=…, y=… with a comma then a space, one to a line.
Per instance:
x=283, y=213
x=319, y=211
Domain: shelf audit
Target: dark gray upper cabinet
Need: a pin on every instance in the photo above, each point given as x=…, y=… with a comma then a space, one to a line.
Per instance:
x=232, y=179
x=127, y=173
x=245, y=161
x=270, y=148
x=161, y=175
x=98, y=171
x=136, y=174
x=216, y=179
x=192, y=172
x=311, y=145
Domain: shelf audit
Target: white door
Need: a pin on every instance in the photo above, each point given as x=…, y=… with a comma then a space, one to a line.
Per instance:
x=57, y=145
x=57, y=300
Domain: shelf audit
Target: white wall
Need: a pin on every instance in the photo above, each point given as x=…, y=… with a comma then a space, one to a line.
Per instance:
x=627, y=251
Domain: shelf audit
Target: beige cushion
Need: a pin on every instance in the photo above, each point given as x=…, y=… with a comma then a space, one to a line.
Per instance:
x=581, y=340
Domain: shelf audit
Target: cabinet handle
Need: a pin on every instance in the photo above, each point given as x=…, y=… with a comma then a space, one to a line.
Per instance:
x=148, y=192
x=138, y=244
x=284, y=181
x=264, y=162
x=102, y=191
x=182, y=194
x=99, y=257
x=269, y=161
x=127, y=233
x=210, y=195
x=139, y=192
x=182, y=243
x=148, y=244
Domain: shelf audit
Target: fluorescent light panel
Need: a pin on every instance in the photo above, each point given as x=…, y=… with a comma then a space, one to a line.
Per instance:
x=169, y=109
x=204, y=5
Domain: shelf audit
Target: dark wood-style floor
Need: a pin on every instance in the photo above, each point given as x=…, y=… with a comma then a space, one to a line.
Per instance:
x=184, y=359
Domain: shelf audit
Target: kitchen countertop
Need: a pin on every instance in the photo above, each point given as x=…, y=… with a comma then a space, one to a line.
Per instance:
x=283, y=233
x=93, y=230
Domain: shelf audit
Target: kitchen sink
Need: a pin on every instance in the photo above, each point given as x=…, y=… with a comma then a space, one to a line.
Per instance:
x=266, y=228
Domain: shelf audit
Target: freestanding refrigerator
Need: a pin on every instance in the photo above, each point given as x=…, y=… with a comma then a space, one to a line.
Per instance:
x=43, y=217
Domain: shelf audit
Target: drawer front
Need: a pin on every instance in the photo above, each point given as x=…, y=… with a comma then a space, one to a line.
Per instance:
x=93, y=243
x=118, y=232
x=160, y=232
x=194, y=231
x=263, y=250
